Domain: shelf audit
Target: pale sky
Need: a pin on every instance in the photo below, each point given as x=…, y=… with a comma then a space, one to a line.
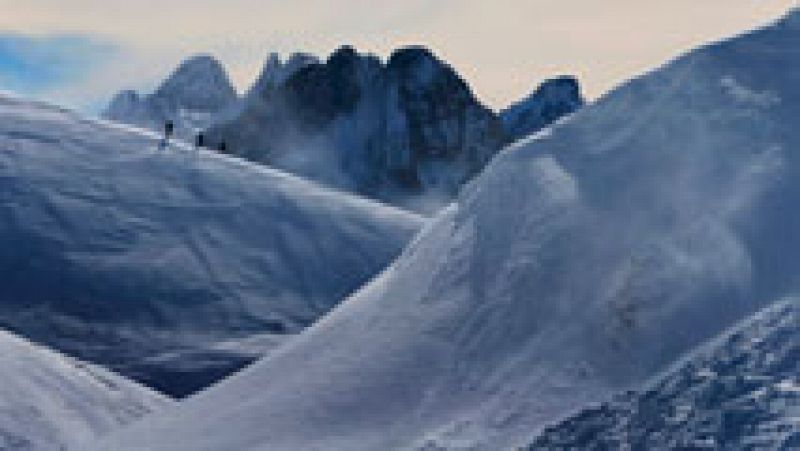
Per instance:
x=503, y=47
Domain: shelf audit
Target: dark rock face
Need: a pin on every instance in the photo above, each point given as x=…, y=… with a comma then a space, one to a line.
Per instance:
x=444, y=120
x=552, y=100
x=389, y=130
x=320, y=92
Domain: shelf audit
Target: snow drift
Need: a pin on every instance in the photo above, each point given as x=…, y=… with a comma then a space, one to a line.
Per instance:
x=124, y=254
x=580, y=263
x=49, y=401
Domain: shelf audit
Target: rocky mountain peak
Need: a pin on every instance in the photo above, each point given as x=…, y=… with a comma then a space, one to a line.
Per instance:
x=190, y=97
x=551, y=100
x=397, y=130
x=200, y=82
x=276, y=71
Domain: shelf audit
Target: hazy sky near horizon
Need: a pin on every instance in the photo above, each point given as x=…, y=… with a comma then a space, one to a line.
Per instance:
x=79, y=52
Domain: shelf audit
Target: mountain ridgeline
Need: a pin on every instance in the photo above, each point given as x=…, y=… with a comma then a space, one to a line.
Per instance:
x=408, y=131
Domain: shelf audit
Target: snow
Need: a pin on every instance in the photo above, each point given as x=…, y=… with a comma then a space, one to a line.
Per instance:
x=581, y=262
x=123, y=254
x=749, y=400
x=49, y=401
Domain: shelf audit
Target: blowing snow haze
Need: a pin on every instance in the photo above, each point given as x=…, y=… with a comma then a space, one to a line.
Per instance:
x=362, y=255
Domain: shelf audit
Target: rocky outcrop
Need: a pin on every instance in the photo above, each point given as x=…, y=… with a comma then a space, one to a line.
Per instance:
x=391, y=131
x=552, y=100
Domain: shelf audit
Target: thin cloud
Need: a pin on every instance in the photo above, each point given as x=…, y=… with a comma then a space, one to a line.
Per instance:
x=38, y=66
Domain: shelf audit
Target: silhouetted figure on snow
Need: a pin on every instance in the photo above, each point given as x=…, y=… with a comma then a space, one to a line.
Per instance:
x=169, y=128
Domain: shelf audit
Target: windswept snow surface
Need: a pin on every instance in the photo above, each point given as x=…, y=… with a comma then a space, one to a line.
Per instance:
x=741, y=391
x=49, y=401
x=579, y=264
x=124, y=254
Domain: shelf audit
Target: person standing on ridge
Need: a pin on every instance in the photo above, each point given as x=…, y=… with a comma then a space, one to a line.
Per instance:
x=200, y=141
x=169, y=128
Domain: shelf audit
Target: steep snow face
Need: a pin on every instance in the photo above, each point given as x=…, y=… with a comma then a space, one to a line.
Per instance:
x=51, y=402
x=552, y=100
x=191, y=97
x=580, y=263
x=120, y=253
x=741, y=391
x=392, y=131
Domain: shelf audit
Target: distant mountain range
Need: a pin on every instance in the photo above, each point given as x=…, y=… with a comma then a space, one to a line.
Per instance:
x=192, y=96
x=409, y=131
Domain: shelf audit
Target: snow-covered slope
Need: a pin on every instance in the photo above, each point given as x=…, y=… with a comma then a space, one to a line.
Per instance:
x=741, y=391
x=120, y=253
x=193, y=96
x=578, y=264
x=49, y=401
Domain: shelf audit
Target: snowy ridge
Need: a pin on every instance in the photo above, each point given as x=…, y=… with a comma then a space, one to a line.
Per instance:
x=578, y=264
x=152, y=253
x=52, y=402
